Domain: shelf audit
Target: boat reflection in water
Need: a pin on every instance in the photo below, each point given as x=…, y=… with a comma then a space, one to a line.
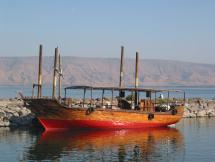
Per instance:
x=163, y=144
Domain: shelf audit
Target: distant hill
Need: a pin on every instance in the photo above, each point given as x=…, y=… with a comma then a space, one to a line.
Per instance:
x=105, y=71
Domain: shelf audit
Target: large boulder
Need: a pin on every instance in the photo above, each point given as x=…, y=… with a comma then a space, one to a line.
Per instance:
x=201, y=113
x=189, y=113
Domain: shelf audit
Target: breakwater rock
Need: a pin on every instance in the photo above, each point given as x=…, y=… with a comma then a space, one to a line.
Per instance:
x=14, y=113
x=198, y=107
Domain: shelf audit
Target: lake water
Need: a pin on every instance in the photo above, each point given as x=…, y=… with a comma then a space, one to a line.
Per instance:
x=191, y=92
x=191, y=140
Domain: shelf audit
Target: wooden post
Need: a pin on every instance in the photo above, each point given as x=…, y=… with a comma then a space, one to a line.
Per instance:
x=33, y=91
x=59, y=78
x=121, y=67
x=136, y=77
x=184, y=98
x=132, y=100
x=39, y=91
x=103, y=91
x=91, y=96
x=168, y=99
x=121, y=93
x=65, y=93
x=155, y=97
x=55, y=74
x=84, y=97
x=137, y=70
x=112, y=98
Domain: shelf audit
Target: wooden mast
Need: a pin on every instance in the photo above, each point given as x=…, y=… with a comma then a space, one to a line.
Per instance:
x=121, y=67
x=121, y=93
x=136, y=77
x=59, y=78
x=39, y=91
x=55, y=74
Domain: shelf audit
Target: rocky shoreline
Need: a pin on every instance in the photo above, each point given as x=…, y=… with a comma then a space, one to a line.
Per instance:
x=198, y=107
x=14, y=113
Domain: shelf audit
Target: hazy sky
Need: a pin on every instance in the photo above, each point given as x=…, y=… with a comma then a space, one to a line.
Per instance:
x=158, y=29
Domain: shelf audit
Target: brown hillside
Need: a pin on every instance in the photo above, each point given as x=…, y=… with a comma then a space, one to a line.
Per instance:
x=104, y=71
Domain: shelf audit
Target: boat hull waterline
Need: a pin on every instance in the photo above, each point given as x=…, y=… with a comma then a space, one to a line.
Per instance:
x=95, y=124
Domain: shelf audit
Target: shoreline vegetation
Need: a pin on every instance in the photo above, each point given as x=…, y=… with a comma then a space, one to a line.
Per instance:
x=13, y=113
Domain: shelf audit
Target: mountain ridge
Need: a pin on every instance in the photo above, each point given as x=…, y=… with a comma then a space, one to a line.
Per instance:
x=105, y=71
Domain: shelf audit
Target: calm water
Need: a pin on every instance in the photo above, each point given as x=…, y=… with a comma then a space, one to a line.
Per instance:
x=191, y=92
x=190, y=140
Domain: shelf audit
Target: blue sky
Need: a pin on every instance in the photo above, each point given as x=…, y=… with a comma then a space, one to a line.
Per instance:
x=159, y=29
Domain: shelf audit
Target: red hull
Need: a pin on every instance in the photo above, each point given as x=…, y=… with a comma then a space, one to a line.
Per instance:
x=94, y=124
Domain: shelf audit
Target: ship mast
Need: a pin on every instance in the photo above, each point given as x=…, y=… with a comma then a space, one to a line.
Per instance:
x=136, y=77
x=121, y=93
x=55, y=74
x=59, y=77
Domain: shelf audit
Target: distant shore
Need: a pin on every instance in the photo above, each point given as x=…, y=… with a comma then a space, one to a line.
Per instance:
x=14, y=113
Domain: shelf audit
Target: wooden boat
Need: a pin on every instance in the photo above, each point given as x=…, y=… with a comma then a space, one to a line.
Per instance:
x=125, y=108
x=119, y=114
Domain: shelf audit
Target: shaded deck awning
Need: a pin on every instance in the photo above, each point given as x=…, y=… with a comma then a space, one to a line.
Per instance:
x=123, y=89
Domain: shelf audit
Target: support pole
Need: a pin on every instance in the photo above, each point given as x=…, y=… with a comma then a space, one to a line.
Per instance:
x=59, y=78
x=184, y=98
x=136, y=77
x=121, y=93
x=103, y=91
x=91, y=96
x=112, y=98
x=155, y=98
x=132, y=100
x=121, y=67
x=33, y=91
x=39, y=91
x=84, y=97
x=55, y=74
x=168, y=99
x=65, y=93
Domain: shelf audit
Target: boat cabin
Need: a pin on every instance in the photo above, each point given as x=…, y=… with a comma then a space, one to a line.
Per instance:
x=139, y=99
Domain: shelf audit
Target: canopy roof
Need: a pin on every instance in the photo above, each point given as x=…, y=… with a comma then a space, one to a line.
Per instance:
x=123, y=89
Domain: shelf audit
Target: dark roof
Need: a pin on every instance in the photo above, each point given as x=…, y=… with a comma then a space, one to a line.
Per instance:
x=79, y=87
x=123, y=89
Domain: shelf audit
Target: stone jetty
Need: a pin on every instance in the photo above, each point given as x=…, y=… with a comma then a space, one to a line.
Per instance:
x=198, y=107
x=14, y=113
